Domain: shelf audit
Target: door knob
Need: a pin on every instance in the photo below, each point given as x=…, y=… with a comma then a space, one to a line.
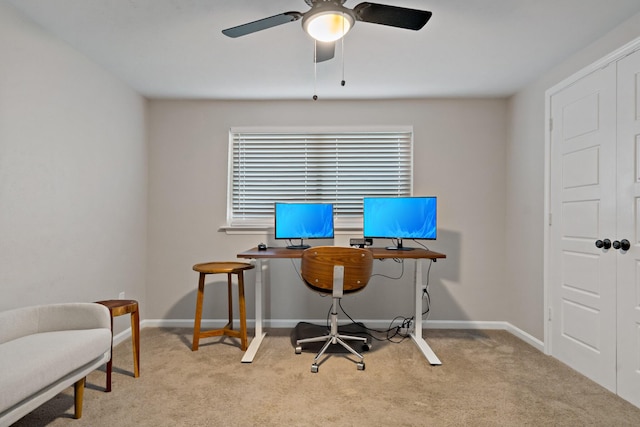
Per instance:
x=606, y=243
x=622, y=244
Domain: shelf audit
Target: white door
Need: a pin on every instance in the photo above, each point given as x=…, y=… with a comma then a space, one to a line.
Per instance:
x=583, y=211
x=629, y=228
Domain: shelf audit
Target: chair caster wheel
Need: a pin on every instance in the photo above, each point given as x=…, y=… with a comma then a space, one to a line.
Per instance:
x=366, y=347
x=360, y=366
x=298, y=349
x=314, y=368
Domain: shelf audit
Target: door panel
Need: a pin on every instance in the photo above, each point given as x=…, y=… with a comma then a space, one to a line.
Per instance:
x=580, y=324
x=580, y=272
x=629, y=228
x=583, y=207
x=580, y=117
x=585, y=219
x=581, y=168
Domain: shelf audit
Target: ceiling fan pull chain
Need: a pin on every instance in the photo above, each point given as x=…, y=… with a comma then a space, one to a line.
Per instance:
x=342, y=41
x=315, y=68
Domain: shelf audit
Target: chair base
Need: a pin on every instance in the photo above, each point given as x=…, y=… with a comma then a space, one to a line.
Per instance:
x=329, y=340
x=304, y=330
x=334, y=337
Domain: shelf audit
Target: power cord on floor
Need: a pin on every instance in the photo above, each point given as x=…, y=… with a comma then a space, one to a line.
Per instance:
x=400, y=327
x=395, y=333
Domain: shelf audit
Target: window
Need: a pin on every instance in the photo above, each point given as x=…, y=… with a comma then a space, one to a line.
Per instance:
x=339, y=166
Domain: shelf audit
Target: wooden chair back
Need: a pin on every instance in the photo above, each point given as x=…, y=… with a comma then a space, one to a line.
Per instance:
x=318, y=267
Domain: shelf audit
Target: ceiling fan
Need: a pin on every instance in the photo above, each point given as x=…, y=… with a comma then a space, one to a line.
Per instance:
x=328, y=21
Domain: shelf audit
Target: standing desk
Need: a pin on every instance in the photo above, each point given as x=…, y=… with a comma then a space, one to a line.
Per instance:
x=417, y=254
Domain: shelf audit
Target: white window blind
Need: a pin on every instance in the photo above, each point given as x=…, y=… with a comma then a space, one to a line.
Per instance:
x=329, y=166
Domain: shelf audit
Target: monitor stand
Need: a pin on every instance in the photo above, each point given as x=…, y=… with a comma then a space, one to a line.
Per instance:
x=399, y=247
x=300, y=246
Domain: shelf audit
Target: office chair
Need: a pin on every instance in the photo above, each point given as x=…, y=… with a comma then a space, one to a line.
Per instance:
x=333, y=270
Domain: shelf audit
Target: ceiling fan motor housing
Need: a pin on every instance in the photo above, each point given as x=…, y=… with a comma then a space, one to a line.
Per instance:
x=311, y=3
x=328, y=20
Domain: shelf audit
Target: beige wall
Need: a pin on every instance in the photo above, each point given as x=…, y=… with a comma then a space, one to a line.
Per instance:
x=459, y=156
x=73, y=189
x=73, y=176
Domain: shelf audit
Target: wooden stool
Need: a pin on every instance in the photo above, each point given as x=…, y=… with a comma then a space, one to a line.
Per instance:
x=216, y=268
x=118, y=307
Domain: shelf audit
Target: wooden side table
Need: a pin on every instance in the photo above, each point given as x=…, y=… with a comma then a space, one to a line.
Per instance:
x=119, y=307
x=227, y=268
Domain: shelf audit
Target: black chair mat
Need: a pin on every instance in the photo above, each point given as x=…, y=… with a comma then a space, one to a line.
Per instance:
x=310, y=330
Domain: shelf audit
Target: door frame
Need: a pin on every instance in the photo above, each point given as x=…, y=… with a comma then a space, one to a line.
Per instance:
x=614, y=56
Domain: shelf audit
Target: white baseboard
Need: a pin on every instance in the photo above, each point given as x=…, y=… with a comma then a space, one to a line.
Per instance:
x=505, y=326
x=375, y=324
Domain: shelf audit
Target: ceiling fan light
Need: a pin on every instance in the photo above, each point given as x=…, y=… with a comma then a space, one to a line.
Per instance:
x=327, y=26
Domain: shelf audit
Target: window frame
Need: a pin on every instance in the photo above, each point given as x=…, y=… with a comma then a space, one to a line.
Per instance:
x=350, y=223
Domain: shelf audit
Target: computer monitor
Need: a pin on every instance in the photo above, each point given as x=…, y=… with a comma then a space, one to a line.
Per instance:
x=400, y=218
x=303, y=221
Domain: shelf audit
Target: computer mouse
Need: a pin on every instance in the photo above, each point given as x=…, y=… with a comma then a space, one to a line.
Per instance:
x=262, y=247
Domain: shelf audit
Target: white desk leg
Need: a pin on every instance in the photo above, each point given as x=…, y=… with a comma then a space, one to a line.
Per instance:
x=259, y=334
x=417, y=332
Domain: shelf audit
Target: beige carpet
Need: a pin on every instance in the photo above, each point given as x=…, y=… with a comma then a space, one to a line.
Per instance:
x=488, y=378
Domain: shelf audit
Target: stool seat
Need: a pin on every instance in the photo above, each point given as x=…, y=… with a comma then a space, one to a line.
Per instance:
x=228, y=268
x=222, y=267
x=119, y=307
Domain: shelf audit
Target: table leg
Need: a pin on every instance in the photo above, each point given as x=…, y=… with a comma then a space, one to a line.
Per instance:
x=109, y=367
x=259, y=334
x=78, y=389
x=243, y=312
x=416, y=335
x=230, y=299
x=198, y=318
x=135, y=339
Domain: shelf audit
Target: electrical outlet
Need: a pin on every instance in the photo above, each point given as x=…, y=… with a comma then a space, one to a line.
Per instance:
x=121, y=296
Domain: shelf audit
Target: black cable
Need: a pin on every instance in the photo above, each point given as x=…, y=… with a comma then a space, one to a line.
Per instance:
x=328, y=323
x=389, y=333
x=421, y=244
x=295, y=268
x=393, y=331
x=399, y=261
x=425, y=291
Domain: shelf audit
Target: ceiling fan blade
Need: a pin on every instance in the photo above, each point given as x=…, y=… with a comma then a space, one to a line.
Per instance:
x=325, y=51
x=401, y=17
x=262, y=24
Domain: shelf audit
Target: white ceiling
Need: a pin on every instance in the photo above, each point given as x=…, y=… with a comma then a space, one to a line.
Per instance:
x=175, y=48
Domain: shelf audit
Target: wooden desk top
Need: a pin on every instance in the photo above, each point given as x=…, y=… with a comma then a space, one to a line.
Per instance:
x=378, y=253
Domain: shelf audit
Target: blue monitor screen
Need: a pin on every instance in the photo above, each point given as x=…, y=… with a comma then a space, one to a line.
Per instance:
x=304, y=220
x=400, y=217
